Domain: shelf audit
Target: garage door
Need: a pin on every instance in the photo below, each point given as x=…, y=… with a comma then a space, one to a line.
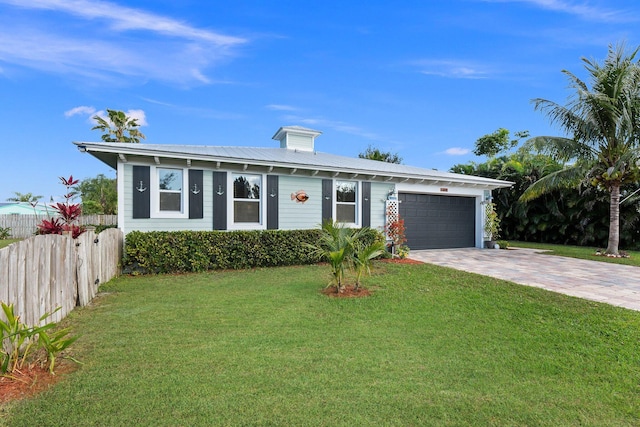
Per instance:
x=436, y=222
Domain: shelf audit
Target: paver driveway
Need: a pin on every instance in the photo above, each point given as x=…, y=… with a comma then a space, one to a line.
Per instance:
x=598, y=281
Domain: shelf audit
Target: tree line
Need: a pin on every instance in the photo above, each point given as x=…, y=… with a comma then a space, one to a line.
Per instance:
x=580, y=188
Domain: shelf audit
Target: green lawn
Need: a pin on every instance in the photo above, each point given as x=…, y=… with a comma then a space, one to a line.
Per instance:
x=7, y=242
x=582, y=252
x=432, y=346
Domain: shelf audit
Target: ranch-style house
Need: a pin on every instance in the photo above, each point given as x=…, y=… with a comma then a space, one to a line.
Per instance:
x=293, y=186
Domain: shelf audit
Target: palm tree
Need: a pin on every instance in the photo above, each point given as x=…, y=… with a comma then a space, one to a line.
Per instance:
x=116, y=126
x=24, y=198
x=336, y=246
x=603, y=128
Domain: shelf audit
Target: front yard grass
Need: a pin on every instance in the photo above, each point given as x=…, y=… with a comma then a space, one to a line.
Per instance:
x=7, y=242
x=582, y=252
x=431, y=346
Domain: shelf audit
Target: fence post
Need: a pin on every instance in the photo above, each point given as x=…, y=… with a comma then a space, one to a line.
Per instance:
x=41, y=273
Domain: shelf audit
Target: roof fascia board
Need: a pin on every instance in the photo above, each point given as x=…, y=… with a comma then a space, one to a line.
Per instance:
x=297, y=167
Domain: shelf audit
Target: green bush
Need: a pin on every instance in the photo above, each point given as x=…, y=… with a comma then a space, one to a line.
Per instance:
x=503, y=244
x=196, y=251
x=5, y=233
x=101, y=227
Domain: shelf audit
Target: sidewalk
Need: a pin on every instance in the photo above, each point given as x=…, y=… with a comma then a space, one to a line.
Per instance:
x=613, y=284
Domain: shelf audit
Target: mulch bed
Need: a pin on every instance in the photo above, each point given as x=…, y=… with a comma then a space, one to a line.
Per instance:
x=29, y=381
x=349, y=291
x=24, y=383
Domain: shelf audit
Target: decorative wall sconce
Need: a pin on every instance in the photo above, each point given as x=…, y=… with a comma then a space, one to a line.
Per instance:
x=392, y=195
x=487, y=200
x=141, y=188
x=220, y=191
x=195, y=189
x=273, y=193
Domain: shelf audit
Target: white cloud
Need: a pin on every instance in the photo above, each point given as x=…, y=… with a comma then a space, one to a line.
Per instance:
x=335, y=125
x=581, y=9
x=452, y=69
x=280, y=107
x=95, y=40
x=457, y=151
x=81, y=110
x=121, y=18
x=139, y=115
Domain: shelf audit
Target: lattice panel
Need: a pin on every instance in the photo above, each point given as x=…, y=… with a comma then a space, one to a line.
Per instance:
x=392, y=209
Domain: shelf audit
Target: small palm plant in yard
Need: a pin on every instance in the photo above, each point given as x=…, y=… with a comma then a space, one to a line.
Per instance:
x=363, y=256
x=344, y=249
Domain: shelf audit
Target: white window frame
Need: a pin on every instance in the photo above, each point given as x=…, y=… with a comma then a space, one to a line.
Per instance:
x=155, y=194
x=356, y=203
x=231, y=224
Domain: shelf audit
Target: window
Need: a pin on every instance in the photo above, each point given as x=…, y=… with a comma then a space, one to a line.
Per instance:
x=170, y=183
x=246, y=198
x=168, y=196
x=346, y=196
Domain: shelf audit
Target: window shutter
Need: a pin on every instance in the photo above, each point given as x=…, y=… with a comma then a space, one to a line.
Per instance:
x=366, y=204
x=220, y=200
x=327, y=200
x=141, y=192
x=272, y=202
x=196, y=194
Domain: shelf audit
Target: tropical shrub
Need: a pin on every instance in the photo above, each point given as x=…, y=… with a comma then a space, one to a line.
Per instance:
x=99, y=228
x=336, y=245
x=577, y=216
x=68, y=214
x=491, y=222
x=18, y=340
x=5, y=232
x=364, y=253
x=53, y=344
x=503, y=244
x=344, y=248
x=395, y=231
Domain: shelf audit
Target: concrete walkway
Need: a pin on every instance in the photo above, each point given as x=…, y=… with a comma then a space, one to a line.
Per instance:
x=614, y=284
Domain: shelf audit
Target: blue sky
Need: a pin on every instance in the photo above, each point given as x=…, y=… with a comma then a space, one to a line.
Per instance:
x=423, y=79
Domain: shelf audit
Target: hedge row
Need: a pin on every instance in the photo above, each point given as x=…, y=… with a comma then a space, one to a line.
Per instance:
x=197, y=251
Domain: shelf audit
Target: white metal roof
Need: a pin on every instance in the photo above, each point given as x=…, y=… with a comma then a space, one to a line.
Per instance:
x=295, y=162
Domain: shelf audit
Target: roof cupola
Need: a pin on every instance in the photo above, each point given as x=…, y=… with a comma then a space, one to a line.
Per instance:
x=296, y=138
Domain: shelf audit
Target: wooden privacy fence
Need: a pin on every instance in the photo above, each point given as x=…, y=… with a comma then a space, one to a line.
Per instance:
x=23, y=226
x=43, y=273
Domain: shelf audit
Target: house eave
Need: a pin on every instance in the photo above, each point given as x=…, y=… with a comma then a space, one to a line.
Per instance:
x=111, y=154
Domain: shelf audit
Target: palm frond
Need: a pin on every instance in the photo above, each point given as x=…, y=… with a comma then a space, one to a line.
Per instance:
x=561, y=149
x=566, y=178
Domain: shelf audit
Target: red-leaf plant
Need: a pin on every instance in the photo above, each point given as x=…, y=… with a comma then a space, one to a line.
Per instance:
x=395, y=231
x=69, y=213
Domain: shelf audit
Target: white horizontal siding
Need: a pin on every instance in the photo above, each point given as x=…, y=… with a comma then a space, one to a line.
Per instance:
x=379, y=193
x=167, y=224
x=293, y=215
x=300, y=142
